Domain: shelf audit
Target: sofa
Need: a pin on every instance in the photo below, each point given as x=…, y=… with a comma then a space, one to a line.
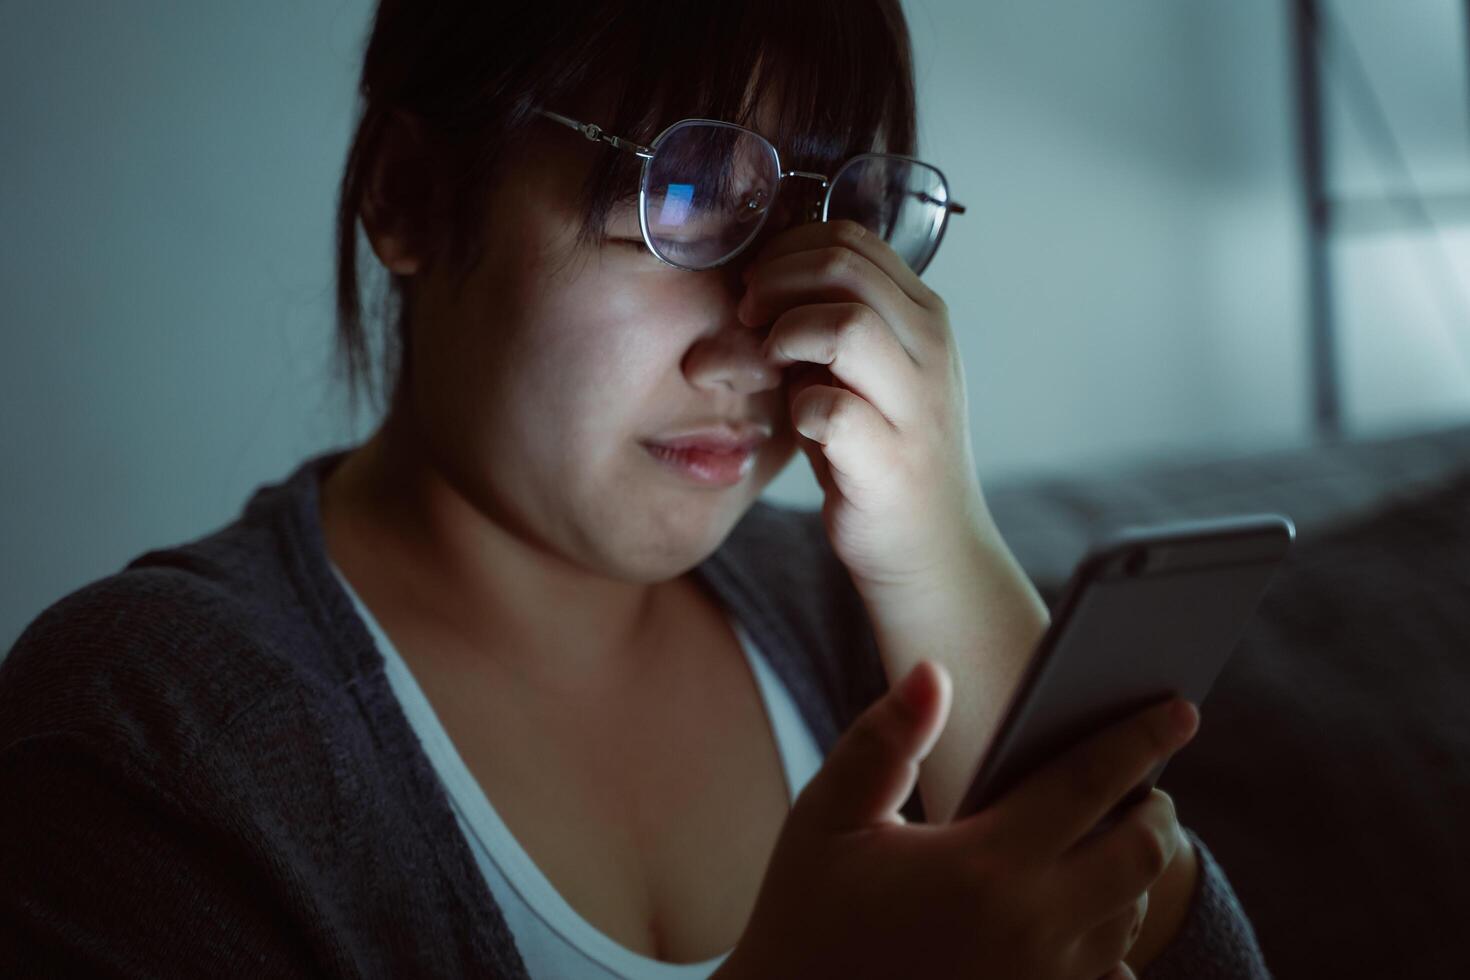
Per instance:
x=1331, y=771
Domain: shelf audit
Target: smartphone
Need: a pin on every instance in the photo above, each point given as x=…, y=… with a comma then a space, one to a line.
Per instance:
x=1150, y=613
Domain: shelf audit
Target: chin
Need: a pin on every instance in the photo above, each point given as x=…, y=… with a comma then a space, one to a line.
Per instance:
x=673, y=537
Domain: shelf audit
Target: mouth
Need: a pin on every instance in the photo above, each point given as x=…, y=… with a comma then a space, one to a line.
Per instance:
x=718, y=455
x=705, y=466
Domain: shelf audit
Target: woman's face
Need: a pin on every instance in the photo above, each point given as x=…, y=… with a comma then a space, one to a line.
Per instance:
x=535, y=387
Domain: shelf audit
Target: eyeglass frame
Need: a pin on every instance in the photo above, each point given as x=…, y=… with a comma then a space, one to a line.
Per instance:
x=596, y=134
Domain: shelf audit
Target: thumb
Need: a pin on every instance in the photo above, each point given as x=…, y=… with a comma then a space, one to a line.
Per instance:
x=874, y=765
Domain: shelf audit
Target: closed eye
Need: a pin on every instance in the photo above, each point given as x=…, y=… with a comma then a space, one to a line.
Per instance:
x=640, y=245
x=671, y=248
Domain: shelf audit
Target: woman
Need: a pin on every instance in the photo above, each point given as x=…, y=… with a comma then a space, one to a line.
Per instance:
x=530, y=682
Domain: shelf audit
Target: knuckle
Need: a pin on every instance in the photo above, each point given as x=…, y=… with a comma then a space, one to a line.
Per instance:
x=1149, y=852
x=848, y=231
x=1165, y=803
x=839, y=415
x=1135, y=921
x=836, y=262
x=851, y=322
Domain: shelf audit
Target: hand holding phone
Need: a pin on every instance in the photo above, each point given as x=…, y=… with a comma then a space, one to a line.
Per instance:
x=850, y=890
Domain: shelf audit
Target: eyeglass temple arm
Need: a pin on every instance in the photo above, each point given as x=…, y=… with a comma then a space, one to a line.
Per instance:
x=594, y=132
x=953, y=207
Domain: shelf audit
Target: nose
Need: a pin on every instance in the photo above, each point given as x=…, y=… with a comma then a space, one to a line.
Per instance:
x=729, y=360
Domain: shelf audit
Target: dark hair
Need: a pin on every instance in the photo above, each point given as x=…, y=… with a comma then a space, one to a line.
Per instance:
x=473, y=73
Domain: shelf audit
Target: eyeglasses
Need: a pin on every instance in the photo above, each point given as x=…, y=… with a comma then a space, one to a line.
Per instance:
x=707, y=188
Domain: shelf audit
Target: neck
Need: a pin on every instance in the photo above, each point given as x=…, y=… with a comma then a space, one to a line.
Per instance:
x=433, y=565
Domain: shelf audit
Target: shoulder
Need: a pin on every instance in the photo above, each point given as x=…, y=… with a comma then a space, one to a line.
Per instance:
x=166, y=652
x=139, y=768
x=152, y=660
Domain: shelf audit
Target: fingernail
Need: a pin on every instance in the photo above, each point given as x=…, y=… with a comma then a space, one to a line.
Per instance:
x=1185, y=718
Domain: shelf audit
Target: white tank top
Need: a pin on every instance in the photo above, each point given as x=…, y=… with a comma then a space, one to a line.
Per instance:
x=554, y=941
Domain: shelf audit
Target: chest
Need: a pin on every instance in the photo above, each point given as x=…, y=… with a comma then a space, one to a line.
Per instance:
x=652, y=811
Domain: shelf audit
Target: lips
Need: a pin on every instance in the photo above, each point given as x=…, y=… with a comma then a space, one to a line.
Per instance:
x=722, y=441
x=711, y=445
x=705, y=468
x=712, y=456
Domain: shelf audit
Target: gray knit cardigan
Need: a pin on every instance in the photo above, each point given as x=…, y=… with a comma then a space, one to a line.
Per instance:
x=204, y=771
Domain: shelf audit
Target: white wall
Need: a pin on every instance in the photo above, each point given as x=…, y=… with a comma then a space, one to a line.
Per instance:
x=1127, y=280
x=167, y=174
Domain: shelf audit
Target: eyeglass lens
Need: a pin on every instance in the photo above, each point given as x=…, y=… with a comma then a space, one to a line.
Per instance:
x=902, y=201
x=708, y=187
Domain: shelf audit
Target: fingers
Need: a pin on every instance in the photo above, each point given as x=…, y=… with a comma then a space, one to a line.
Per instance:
x=858, y=238
x=847, y=427
x=859, y=348
x=836, y=295
x=1101, y=950
x=832, y=273
x=874, y=765
x=1121, y=972
x=1053, y=807
x=1109, y=870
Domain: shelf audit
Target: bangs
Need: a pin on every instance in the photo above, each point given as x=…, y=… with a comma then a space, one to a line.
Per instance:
x=835, y=77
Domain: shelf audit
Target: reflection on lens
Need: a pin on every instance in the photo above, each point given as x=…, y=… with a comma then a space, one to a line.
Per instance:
x=706, y=192
x=675, y=208
x=902, y=201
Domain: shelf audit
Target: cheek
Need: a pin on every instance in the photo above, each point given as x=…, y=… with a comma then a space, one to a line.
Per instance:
x=590, y=370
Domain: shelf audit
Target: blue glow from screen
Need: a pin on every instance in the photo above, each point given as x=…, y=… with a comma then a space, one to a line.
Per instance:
x=677, y=199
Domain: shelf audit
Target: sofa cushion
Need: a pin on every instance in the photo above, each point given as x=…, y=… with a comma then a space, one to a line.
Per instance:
x=1331, y=772
x=1050, y=521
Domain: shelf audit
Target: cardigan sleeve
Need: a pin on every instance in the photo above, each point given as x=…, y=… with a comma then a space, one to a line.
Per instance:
x=119, y=855
x=104, y=872
x=1216, y=941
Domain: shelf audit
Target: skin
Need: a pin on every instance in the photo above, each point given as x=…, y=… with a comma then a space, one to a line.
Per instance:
x=562, y=366
x=567, y=567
